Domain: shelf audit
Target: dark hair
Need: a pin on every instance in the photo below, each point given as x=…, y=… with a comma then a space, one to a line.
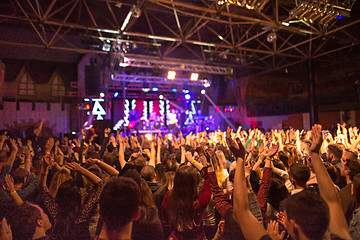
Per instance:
x=139, y=163
x=23, y=221
x=148, y=226
x=19, y=175
x=148, y=173
x=353, y=166
x=134, y=175
x=310, y=212
x=356, y=188
x=146, y=194
x=68, y=198
x=170, y=165
x=119, y=201
x=300, y=173
x=181, y=200
x=333, y=173
x=336, y=150
x=232, y=230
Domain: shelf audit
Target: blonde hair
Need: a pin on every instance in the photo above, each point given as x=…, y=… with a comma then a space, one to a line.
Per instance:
x=219, y=168
x=59, y=178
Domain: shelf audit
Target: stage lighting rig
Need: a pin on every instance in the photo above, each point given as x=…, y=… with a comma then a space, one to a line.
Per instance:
x=323, y=11
x=249, y=4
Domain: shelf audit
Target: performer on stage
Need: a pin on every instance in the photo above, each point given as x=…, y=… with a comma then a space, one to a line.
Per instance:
x=173, y=122
x=134, y=120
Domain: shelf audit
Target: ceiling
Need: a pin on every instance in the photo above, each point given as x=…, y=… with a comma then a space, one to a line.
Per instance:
x=195, y=31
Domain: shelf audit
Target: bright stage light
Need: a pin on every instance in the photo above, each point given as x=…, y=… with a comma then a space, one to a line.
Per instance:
x=102, y=94
x=194, y=77
x=203, y=91
x=171, y=75
x=116, y=94
x=174, y=90
x=206, y=83
x=161, y=96
x=148, y=136
x=155, y=89
x=187, y=96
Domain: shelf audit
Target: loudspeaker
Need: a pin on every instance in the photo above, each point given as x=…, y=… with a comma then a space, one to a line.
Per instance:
x=92, y=80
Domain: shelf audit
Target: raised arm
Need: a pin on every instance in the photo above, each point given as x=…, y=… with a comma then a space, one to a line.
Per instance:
x=10, y=160
x=9, y=186
x=89, y=175
x=338, y=225
x=152, y=152
x=39, y=128
x=104, y=166
x=121, y=151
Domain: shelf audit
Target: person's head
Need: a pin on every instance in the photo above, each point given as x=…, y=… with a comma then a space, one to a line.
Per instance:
x=20, y=175
x=230, y=229
x=119, y=203
x=139, y=163
x=306, y=213
x=146, y=194
x=168, y=180
x=59, y=178
x=148, y=226
x=148, y=173
x=350, y=168
x=350, y=154
x=334, y=152
x=170, y=165
x=181, y=200
x=109, y=158
x=134, y=175
x=355, y=188
x=299, y=174
x=305, y=146
x=27, y=220
x=68, y=198
x=332, y=171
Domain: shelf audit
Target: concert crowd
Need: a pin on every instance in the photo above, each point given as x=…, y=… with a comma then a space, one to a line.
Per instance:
x=278, y=184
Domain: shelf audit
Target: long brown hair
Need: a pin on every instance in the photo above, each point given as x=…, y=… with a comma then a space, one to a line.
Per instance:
x=182, y=198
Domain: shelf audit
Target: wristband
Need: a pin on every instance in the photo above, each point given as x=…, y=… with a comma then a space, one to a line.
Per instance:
x=97, y=162
x=13, y=192
x=193, y=161
x=249, y=191
x=260, y=161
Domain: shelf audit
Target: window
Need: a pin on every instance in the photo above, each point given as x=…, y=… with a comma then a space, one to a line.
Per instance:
x=57, y=87
x=26, y=85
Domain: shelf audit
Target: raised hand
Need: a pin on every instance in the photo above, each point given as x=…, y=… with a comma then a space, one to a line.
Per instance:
x=317, y=138
x=273, y=150
x=13, y=144
x=9, y=184
x=235, y=147
x=92, y=161
x=73, y=166
x=273, y=230
x=46, y=160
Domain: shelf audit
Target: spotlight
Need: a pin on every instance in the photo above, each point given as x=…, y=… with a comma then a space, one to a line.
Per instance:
x=87, y=106
x=187, y=96
x=174, y=90
x=145, y=87
x=194, y=77
x=116, y=94
x=135, y=11
x=206, y=83
x=271, y=37
x=155, y=89
x=161, y=97
x=102, y=94
x=171, y=75
x=203, y=91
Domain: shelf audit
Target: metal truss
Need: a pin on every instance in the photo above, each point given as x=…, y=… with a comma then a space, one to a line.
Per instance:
x=202, y=35
x=151, y=63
